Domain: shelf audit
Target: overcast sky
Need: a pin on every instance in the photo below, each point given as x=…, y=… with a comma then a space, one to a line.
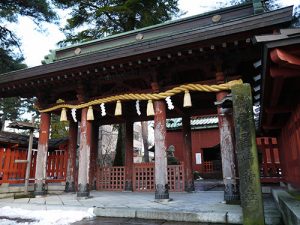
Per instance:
x=35, y=45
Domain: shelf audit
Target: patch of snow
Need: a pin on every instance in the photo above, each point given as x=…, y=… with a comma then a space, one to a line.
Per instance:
x=43, y=217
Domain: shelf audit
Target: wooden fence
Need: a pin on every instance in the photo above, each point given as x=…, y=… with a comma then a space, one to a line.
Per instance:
x=14, y=173
x=113, y=178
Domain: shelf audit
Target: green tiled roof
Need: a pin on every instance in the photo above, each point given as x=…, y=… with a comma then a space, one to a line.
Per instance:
x=204, y=122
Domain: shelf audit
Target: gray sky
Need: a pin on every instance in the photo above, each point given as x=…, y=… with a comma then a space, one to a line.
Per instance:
x=35, y=45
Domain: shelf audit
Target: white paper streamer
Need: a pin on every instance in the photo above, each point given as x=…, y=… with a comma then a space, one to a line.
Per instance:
x=169, y=103
x=103, y=112
x=137, y=106
x=73, y=112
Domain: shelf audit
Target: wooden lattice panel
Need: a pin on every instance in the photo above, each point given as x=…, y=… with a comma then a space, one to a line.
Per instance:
x=176, y=177
x=111, y=178
x=143, y=177
x=208, y=167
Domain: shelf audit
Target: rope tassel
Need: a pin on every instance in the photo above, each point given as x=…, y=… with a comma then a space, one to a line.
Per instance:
x=118, y=111
x=150, y=108
x=90, y=113
x=187, y=102
x=63, y=115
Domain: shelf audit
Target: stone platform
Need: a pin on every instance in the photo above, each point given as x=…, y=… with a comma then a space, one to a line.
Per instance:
x=206, y=207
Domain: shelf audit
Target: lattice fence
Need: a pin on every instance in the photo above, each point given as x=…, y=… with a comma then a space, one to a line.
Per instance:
x=208, y=167
x=143, y=177
x=176, y=177
x=111, y=178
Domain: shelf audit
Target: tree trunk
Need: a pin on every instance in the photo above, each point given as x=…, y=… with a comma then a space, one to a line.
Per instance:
x=120, y=148
x=144, y=125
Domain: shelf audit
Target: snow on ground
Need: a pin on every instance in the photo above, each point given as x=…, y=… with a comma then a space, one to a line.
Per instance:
x=12, y=216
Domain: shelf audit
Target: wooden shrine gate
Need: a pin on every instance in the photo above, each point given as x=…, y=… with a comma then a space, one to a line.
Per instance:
x=269, y=159
x=14, y=173
x=113, y=178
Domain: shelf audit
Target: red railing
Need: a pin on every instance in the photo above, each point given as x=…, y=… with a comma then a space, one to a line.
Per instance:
x=56, y=166
x=113, y=178
x=13, y=173
x=270, y=167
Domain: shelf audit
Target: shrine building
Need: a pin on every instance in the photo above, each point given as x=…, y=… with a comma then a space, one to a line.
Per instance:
x=186, y=68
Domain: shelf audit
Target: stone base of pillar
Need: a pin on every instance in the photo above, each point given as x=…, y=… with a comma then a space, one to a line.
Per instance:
x=231, y=193
x=40, y=189
x=189, y=186
x=128, y=185
x=83, y=190
x=70, y=187
x=162, y=192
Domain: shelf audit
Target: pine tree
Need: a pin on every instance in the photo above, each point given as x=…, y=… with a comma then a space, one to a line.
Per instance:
x=98, y=18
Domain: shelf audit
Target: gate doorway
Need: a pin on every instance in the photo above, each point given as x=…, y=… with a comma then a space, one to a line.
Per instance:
x=212, y=163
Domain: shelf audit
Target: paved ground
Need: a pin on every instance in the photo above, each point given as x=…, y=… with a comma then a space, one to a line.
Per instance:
x=189, y=207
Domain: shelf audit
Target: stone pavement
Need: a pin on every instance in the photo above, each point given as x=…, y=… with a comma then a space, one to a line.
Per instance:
x=190, y=207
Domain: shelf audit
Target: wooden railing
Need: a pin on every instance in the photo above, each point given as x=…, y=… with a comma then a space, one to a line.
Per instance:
x=270, y=166
x=13, y=173
x=56, y=166
x=113, y=178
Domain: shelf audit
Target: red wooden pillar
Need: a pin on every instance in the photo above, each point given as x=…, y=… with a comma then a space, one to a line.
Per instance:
x=231, y=192
x=84, y=155
x=41, y=161
x=187, y=151
x=128, y=156
x=161, y=167
x=72, y=149
x=94, y=155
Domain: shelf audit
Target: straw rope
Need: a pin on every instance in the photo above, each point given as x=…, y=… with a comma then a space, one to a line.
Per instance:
x=149, y=96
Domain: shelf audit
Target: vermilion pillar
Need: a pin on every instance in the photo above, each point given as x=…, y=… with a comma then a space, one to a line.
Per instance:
x=231, y=192
x=128, y=155
x=187, y=151
x=72, y=149
x=161, y=172
x=84, y=155
x=94, y=155
x=41, y=161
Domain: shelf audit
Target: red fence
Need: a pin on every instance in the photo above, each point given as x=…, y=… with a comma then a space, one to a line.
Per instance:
x=270, y=167
x=113, y=178
x=11, y=172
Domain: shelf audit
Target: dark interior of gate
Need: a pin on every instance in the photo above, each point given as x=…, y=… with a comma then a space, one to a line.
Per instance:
x=154, y=59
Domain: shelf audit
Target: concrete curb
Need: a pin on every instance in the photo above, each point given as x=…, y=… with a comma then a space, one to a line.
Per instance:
x=170, y=215
x=173, y=215
x=289, y=207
